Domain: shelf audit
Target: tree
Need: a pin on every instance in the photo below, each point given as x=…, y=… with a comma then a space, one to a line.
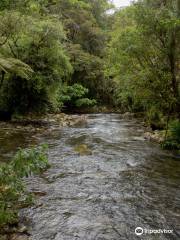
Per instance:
x=85, y=23
x=14, y=66
x=143, y=57
x=38, y=42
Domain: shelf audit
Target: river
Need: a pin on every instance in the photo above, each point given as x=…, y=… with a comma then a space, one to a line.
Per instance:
x=119, y=183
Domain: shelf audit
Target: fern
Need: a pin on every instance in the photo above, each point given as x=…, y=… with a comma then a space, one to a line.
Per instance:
x=16, y=66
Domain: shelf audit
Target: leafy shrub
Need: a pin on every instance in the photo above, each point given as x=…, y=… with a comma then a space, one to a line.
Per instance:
x=170, y=145
x=76, y=91
x=85, y=102
x=30, y=161
x=175, y=130
x=155, y=118
x=173, y=140
x=13, y=193
x=74, y=96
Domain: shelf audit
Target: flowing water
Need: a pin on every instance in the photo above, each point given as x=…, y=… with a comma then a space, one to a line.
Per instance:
x=118, y=183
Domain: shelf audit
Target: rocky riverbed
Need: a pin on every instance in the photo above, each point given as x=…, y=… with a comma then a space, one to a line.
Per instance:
x=105, y=180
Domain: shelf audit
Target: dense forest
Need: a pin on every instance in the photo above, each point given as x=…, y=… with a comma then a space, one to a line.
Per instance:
x=52, y=54
x=63, y=55
x=76, y=53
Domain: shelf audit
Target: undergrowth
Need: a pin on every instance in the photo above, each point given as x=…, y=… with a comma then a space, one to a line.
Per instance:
x=13, y=193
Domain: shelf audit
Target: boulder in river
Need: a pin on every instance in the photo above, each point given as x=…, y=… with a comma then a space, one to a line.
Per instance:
x=155, y=136
x=18, y=236
x=83, y=150
x=127, y=115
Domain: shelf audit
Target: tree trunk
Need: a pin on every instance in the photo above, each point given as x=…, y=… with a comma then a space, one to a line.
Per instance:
x=172, y=63
x=2, y=78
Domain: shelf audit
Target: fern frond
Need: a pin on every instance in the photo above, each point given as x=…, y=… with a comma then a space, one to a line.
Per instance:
x=16, y=66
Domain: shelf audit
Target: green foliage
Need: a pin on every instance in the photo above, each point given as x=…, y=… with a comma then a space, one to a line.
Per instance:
x=38, y=42
x=76, y=91
x=175, y=130
x=62, y=41
x=85, y=22
x=88, y=70
x=170, y=145
x=132, y=64
x=73, y=96
x=142, y=59
x=15, y=66
x=13, y=194
x=155, y=118
x=172, y=142
x=85, y=102
x=30, y=161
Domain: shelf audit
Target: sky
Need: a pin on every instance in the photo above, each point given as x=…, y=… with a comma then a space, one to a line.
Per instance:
x=121, y=3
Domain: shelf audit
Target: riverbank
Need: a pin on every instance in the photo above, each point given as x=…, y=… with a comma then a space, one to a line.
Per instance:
x=34, y=122
x=61, y=119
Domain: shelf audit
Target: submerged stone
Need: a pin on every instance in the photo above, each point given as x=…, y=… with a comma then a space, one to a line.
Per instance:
x=83, y=149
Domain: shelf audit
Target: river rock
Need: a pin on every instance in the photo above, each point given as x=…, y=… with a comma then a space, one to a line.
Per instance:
x=155, y=136
x=39, y=193
x=3, y=237
x=18, y=236
x=128, y=115
x=22, y=229
x=83, y=150
x=66, y=120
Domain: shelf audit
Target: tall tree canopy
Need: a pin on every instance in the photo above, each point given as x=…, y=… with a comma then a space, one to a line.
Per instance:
x=128, y=58
x=50, y=44
x=143, y=56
